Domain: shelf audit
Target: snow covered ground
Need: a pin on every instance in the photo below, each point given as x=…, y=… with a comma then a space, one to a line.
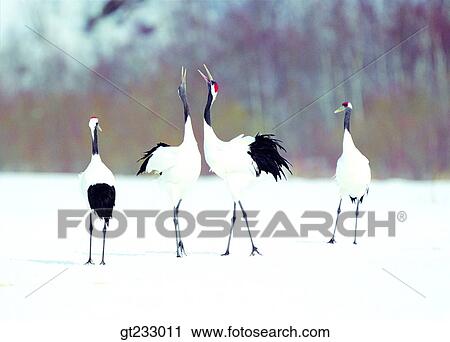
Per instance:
x=303, y=281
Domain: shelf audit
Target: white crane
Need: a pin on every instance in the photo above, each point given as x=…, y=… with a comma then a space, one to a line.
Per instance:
x=97, y=183
x=178, y=167
x=352, y=169
x=239, y=161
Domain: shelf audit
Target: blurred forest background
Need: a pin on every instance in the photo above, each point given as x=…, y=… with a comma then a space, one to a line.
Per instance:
x=270, y=58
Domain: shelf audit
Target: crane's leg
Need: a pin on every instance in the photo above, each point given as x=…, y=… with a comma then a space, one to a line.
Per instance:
x=356, y=219
x=90, y=240
x=104, y=237
x=175, y=223
x=180, y=243
x=254, y=249
x=233, y=220
x=332, y=240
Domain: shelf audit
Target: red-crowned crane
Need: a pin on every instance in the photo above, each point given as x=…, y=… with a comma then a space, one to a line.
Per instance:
x=239, y=161
x=97, y=183
x=178, y=167
x=352, y=169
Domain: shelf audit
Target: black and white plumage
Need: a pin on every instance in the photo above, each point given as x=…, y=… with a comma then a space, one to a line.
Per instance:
x=239, y=161
x=147, y=155
x=178, y=167
x=352, y=170
x=97, y=183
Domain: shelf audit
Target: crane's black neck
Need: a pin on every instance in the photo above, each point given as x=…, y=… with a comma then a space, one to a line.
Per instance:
x=95, y=141
x=186, y=109
x=207, y=114
x=348, y=113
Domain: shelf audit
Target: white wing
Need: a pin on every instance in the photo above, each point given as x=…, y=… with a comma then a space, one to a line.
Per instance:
x=162, y=159
x=178, y=166
x=226, y=157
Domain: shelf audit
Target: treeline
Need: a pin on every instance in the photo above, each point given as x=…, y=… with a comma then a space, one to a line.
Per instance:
x=271, y=59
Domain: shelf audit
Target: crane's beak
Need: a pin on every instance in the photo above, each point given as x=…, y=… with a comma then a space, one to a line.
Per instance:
x=99, y=128
x=207, y=71
x=204, y=77
x=183, y=76
x=207, y=79
x=340, y=109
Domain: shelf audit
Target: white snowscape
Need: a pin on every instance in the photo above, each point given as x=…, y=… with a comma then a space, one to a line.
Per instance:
x=383, y=289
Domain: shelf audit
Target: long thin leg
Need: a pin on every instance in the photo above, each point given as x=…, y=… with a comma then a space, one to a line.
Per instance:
x=332, y=240
x=90, y=239
x=356, y=219
x=180, y=248
x=233, y=220
x=175, y=223
x=254, y=249
x=104, y=236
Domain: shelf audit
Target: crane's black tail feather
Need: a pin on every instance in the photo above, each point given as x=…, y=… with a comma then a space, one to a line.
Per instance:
x=147, y=155
x=265, y=152
x=102, y=199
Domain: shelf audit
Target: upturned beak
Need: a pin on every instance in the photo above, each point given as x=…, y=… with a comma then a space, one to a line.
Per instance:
x=340, y=109
x=183, y=76
x=207, y=79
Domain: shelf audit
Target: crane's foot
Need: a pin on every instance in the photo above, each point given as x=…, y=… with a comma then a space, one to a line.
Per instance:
x=354, y=242
x=89, y=262
x=226, y=253
x=332, y=240
x=103, y=262
x=181, y=248
x=255, y=250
